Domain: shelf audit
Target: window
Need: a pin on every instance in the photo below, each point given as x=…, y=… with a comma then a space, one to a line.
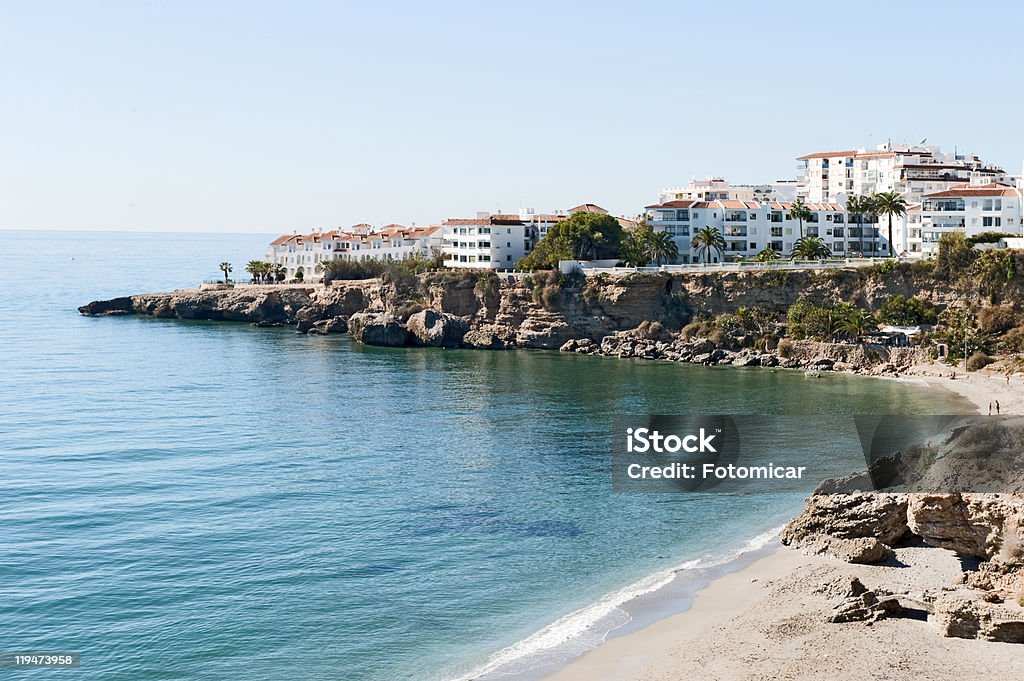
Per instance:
x=508, y=258
x=508, y=244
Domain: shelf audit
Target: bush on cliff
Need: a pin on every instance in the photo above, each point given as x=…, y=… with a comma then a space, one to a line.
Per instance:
x=955, y=253
x=903, y=311
x=997, y=319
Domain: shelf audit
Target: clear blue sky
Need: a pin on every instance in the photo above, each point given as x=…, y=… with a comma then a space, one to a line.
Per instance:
x=260, y=116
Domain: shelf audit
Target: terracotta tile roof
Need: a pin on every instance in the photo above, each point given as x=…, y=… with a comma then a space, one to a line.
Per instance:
x=827, y=154
x=682, y=203
x=588, y=208
x=963, y=190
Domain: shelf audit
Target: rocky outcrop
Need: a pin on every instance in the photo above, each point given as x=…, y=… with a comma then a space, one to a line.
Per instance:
x=976, y=525
x=103, y=308
x=966, y=614
x=436, y=329
x=849, y=516
x=377, y=328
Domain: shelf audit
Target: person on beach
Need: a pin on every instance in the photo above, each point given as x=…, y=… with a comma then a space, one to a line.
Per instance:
x=997, y=407
x=990, y=409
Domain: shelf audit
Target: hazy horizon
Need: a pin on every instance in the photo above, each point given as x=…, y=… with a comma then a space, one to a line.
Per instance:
x=268, y=118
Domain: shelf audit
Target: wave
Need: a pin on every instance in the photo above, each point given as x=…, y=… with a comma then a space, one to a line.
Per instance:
x=583, y=629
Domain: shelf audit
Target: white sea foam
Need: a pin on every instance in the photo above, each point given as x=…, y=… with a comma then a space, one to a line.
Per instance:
x=585, y=628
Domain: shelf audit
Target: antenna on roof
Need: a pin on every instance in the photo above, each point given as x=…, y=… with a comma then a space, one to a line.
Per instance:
x=921, y=143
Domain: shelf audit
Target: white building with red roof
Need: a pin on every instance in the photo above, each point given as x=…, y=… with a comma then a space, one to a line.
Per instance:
x=301, y=254
x=969, y=208
x=913, y=171
x=749, y=227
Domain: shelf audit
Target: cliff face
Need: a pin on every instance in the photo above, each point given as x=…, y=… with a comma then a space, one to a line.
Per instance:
x=546, y=311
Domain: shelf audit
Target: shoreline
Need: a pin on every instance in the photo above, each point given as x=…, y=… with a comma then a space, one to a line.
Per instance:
x=767, y=620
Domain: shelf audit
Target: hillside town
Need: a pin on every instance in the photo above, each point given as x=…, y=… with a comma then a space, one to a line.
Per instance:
x=893, y=200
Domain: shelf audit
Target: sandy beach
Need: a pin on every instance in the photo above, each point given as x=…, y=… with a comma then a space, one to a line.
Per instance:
x=769, y=620
x=979, y=387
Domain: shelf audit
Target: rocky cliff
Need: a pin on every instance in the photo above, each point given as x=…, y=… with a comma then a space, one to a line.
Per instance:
x=635, y=315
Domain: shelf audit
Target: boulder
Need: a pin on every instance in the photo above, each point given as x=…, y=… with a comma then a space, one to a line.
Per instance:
x=484, y=340
x=862, y=551
x=332, y=325
x=377, y=328
x=850, y=516
x=969, y=524
x=965, y=614
x=436, y=329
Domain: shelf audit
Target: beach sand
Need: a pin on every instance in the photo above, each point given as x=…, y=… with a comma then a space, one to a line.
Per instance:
x=979, y=387
x=769, y=621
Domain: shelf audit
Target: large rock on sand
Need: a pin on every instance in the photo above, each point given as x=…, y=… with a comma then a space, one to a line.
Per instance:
x=850, y=516
x=437, y=329
x=977, y=525
x=377, y=328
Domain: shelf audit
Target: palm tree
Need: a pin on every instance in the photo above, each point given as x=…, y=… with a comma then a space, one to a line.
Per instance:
x=767, y=255
x=855, y=207
x=256, y=268
x=663, y=247
x=225, y=267
x=889, y=204
x=278, y=272
x=706, y=240
x=800, y=211
x=810, y=248
x=857, y=323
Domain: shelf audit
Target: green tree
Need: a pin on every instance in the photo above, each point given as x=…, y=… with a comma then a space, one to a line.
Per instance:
x=900, y=310
x=890, y=204
x=767, y=255
x=663, y=248
x=955, y=253
x=258, y=270
x=278, y=272
x=584, y=236
x=225, y=267
x=635, y=249
x=707, y=240
x=799, y=211
x=856, y=207
x=856, y=323
x=810, y=248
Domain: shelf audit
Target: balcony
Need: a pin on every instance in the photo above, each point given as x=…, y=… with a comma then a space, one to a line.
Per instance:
x=735, y=231
x=736, y=217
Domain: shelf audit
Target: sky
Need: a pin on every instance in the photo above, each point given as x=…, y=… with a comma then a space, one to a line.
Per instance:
x=278, y=116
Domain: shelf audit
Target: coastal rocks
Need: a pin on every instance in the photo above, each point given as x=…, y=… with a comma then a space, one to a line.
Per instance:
x=965, y=614
x=377, y=328
x=862, y=550
x=332, y=325
x=860, y=604
x=437, y=329
x=101, y=308
x=849, y=516
x=969, y=524
x=486, y=339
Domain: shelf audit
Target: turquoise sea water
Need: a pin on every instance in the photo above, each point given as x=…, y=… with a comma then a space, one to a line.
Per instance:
x=188, y=500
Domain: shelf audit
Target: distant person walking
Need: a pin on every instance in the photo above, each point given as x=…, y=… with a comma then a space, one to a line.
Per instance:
x=1007, y=379
x=990, y=409
x=997, y=407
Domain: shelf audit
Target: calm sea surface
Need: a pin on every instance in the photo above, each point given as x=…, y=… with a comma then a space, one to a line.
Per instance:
x=192, y=500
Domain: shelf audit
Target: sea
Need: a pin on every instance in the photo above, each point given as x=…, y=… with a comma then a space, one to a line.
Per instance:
x=201, y=500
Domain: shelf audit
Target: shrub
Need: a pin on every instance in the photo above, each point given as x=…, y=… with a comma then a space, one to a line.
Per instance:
x=955, y=253
x=403, y=280
x=1012, y=340
x=997, y=319
x=979, y=360
x=785, y=348
x=902, y=311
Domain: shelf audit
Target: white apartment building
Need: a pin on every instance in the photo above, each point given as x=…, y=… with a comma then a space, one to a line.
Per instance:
x=751, y=226
x=967, y=208
x=491, y=241
x=301, y=253
x=719, y=189
x=913, y=171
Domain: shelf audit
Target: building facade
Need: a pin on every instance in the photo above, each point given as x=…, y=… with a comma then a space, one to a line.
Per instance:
x=748, y=227
x=300, y=254
x=913, y=171
x=967, y=208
